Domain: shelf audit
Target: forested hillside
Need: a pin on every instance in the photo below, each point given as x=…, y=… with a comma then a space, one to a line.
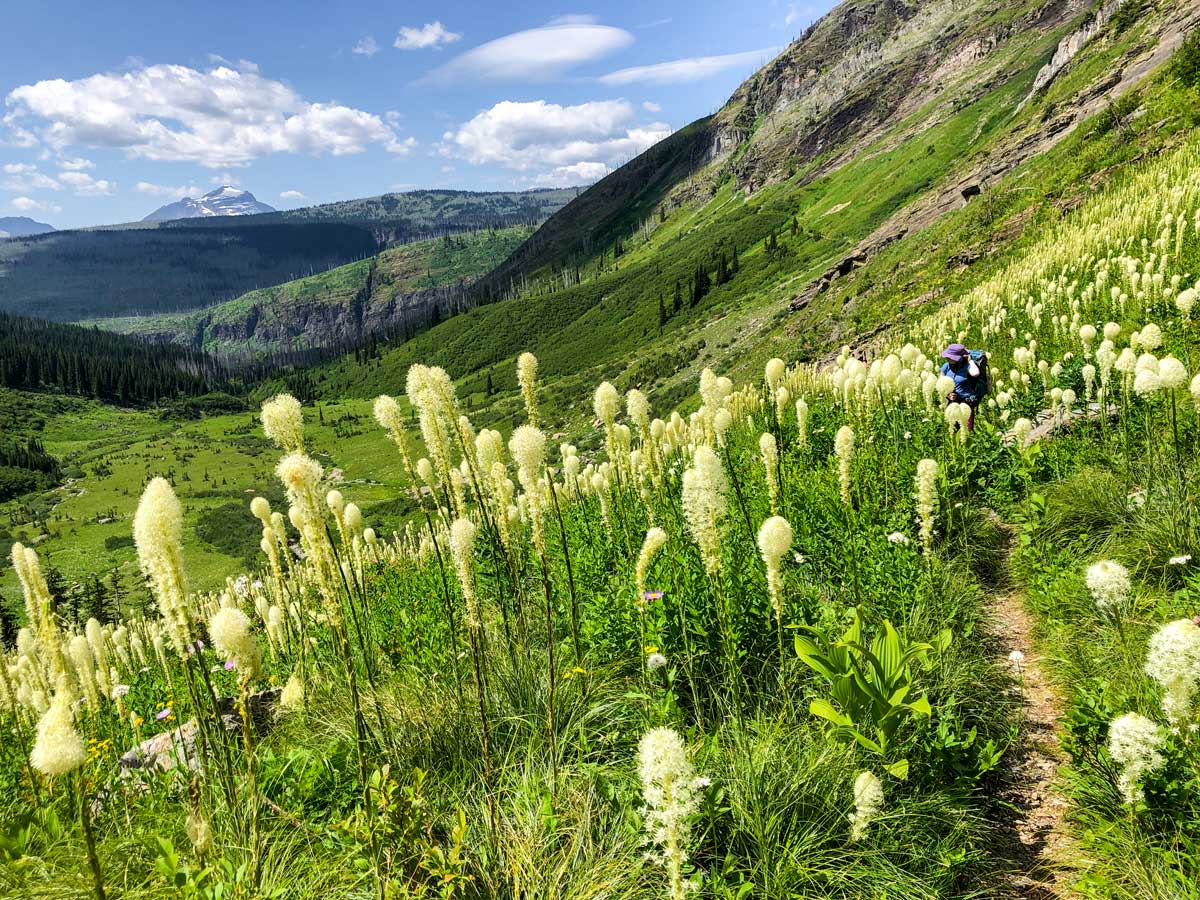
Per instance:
x=394, y=294
x=38, y=355
x=72, y=275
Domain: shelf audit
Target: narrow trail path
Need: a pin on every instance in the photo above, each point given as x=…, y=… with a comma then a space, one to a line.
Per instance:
x=1035, y=840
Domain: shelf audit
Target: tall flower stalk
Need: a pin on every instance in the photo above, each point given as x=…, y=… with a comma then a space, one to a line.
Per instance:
x=671, y=792
x=462, y=546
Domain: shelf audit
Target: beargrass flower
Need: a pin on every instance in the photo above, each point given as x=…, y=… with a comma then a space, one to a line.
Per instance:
x=58, y=748
x=283, y=422
x=704, y=489
x=843, y=448
x=199, y=832
x=655, y=539
x=926, y=479
x=670, y=790
x=801, y=422
x=158, y=535
x=1108, y=582
x=722, y=419
x=292, y=695
x=773, y=373
x=769, y=452
x=527, y=366
x=606, y=403
x=1150, y=337
x=462, y=547
x=1173, y=660
x=1172, y=374
x=868, y=804
x=774, y=541
x=1134, y=743
x=229, y=628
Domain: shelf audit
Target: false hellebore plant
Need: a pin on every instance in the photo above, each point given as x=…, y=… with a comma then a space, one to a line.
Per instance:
x=870, y=687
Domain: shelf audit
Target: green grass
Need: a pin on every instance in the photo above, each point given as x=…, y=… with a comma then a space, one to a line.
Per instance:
x=218, y=463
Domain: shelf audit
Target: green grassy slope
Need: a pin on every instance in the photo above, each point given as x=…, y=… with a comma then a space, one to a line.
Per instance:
x=609, y=324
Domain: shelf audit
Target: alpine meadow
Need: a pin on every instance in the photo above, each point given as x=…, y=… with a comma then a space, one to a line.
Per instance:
x=796, y=503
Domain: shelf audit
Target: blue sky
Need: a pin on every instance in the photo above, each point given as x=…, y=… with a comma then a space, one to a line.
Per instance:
x=113, y=108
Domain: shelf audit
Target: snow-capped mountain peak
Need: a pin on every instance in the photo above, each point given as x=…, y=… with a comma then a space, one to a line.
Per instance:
x=223, y=201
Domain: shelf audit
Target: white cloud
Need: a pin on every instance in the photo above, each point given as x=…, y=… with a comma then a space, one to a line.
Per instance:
x=28, y=204
x=693, y=68
x=546, y=136
x=535, y=55
x=222, y=117
x=574, y=19
x=292, y=195
x=85, y=185
x=367, y=47
x=651, y=106
x=433, y=35
x=78, y=164
x=224, y=178
x=18, y=168
x=568, y=176
x=161, y=190
x=28, y=178
x=404, y=147
x=804, y=13
x=244, y=65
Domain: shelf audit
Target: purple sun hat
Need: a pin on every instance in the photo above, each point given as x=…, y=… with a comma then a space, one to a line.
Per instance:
x=955, y=353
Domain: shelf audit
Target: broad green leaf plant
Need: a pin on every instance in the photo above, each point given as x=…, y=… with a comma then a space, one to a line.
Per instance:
x=870, y=687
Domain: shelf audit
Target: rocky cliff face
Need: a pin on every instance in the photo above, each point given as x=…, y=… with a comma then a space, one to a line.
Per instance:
x=315, y=324
x=861, y=70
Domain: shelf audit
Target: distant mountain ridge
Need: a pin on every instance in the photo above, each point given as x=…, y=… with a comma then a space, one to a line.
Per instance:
x=142, y=268
x=21, y=226
x=223, y=201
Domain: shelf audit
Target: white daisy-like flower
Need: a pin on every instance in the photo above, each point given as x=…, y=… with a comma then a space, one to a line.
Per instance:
x=898, y=537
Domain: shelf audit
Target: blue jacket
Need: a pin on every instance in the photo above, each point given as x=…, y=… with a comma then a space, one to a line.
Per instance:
x=970, y=388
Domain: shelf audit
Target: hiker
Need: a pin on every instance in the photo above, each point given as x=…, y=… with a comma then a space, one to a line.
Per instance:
x=972, y=381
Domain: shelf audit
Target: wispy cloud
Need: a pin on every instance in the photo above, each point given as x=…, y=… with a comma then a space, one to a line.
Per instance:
x=434, y=35
x=162, y=190
x=538, y=54
x=693, y=68
x=367, y=47
x=804, y=13
x=292, y=195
